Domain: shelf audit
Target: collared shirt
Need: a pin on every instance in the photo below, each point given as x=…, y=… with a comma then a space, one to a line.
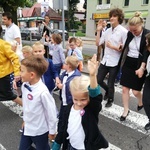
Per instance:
x=134, y=47
x=64, y=88
x=58, y=53
x=77, y=52
x=39, y=110
x=116, y=36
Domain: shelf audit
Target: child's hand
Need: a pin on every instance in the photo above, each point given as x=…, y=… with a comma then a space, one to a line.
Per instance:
x=93, y=65
x=99, y=25
x=51, y=137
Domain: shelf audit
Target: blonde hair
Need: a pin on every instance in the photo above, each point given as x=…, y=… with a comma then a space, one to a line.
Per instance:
x=72, y=61
x=27, y=48
x=80, y=83
x=38, y=44
x=79, y=41
x=13, y=43
x=136, y=19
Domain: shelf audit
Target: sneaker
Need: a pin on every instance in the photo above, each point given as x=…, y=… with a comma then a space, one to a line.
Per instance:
x=109, y=103
x=147, y=126
x=106, y=96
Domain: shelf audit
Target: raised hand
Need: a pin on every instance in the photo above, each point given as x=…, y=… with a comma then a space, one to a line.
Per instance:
x=99, y=25
x=93, y=65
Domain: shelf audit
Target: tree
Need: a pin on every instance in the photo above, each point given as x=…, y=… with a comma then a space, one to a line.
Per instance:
x=12, y=5
x=70, y=13
x=85, y=7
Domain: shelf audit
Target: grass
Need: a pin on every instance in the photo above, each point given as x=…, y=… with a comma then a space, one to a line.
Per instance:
x=78, y=33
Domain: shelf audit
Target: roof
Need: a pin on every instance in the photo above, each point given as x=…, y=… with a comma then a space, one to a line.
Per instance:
x=35, y=11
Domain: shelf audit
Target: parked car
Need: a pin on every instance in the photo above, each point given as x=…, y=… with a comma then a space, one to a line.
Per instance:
x=61, y=32
x=25, y=34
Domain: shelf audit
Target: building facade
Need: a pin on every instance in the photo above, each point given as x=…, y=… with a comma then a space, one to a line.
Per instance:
x=99, y=9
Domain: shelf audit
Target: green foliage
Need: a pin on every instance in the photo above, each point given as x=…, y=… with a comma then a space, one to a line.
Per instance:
x=70, y=14
x=12, y=5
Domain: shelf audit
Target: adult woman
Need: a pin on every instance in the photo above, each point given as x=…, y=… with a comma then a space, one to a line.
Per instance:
x=133, y=62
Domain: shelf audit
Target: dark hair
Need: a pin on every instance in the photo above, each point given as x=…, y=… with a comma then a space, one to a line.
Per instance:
x=8, y=15
x=35, y=64
x=148, y=39
x=117, y=12
x=1, y=29
x=73, y=39
x=57, y=38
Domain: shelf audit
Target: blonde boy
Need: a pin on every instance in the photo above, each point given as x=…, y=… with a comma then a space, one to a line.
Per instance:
x=50, y=75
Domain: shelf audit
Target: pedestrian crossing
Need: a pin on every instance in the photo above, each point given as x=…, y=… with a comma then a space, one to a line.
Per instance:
x=135, y=120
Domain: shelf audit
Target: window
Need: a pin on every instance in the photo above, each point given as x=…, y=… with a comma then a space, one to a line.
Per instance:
x=100, y=2
x=145, y=1
x=107, y=1
x=126, y=2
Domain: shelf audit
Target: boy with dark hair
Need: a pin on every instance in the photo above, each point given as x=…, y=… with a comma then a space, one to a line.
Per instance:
x=114, y=39
x=38, y=105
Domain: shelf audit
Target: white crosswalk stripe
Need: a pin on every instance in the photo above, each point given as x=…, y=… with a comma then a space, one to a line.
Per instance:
x=135, y=120
x=1, y=147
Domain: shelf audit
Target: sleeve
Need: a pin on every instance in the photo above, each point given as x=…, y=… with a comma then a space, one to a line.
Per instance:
x=13, y=57
x=62, y=56
x=94, y=92
x=49, y=105
x=79, y=54
x=17, y=32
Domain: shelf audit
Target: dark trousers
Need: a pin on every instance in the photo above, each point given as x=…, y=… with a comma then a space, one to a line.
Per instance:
x=58, y=67
x=70, y=147
x=41, y=142
x=146, y=97
x=102, y=72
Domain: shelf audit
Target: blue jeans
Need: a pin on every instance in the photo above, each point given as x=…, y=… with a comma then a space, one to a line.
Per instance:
x=41, y=142
x=102, y=72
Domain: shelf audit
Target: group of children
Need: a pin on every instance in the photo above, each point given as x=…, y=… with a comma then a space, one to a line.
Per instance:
x=80, y=98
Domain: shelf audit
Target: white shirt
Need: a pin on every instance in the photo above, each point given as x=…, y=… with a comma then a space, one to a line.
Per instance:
x=148, y=65
x=39, y=110
x=63, y=95
x=75, y=130
x=12, y=32
x=116, y=36
x=134, y=47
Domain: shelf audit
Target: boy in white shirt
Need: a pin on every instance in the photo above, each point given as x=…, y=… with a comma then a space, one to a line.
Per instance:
x=38, y=105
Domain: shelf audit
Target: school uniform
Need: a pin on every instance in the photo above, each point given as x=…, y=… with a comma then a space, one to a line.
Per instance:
x=39, y=115
x=92, y=137
x=49, y=76
x=65, y=94
x=134, y=53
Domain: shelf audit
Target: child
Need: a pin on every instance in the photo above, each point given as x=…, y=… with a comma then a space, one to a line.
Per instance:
x=38, y=105
x=71, y=64
x=58, y=56
x=50, y=75
x=9, y=63
x=80, y=125
x=79, y=44
x=27, y=51
x=74, y=50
